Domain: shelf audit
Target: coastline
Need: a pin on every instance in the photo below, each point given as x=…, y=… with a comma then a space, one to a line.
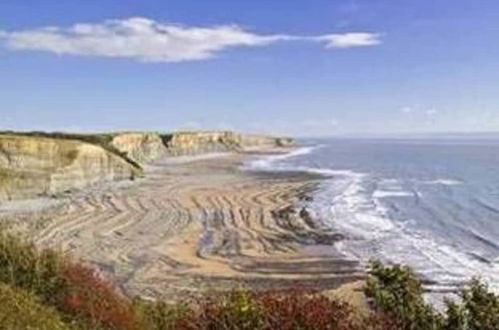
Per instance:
x=197, y=225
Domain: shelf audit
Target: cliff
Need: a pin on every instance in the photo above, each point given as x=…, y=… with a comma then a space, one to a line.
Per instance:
x=32, y=166
x=37, y=163
x=142, y=148
x=219, y=141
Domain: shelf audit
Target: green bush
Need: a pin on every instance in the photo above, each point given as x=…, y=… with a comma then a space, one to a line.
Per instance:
x=235, y=310
x=397, y=292
x=23, y=265
x=20, y=309
x=480, y=307
x=457, y=318
x=158, y=315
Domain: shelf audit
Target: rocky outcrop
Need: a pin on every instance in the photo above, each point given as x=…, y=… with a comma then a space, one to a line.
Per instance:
x=32, y=166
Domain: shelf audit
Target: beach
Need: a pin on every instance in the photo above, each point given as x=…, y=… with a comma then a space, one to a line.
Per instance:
x=195, y=224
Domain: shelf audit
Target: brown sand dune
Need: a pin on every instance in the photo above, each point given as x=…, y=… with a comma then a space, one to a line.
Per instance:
x=205, y=224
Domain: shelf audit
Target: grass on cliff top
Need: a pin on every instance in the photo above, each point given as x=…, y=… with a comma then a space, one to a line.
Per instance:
x=43, y=289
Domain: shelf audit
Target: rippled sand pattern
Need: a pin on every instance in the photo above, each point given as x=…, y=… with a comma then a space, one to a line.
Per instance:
x=200, y=225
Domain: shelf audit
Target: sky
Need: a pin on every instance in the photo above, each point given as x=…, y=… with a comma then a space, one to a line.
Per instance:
x=295, y=67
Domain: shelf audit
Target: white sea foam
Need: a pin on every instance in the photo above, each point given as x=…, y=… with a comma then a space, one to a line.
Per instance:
x=361, y=214
x=444, y=182
x=355, y=212
x=387, y=193
x=358, y=205
x=267, y=162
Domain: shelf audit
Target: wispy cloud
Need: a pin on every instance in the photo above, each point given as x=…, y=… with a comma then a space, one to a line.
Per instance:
x=418, y=109
x=428, y=115
x=351, y=39
x=408, y=109
x=431, y=112
x=150, y=41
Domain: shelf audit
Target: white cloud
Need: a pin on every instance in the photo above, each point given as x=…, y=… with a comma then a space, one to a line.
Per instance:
x=352, y=39
x=407, y=109
x=418, y=109
x=431, y=112
x=150, y=41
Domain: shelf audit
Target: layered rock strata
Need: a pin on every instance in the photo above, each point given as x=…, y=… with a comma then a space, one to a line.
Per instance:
x=34, y=164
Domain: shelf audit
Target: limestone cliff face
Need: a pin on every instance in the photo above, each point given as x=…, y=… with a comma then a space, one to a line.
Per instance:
x=144, y=148
x=32, y=166
x=140, y=147
x=218, y=141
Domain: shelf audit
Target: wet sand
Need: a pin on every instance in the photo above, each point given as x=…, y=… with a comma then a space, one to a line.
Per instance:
x=197, y=225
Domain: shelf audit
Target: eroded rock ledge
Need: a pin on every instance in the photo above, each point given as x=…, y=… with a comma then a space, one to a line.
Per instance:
x=37, y=164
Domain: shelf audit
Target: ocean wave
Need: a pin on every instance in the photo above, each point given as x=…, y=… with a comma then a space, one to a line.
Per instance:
x=387, y=193
x=444, y=182
x=360, y=206
x=268, y=162
x=357, y=210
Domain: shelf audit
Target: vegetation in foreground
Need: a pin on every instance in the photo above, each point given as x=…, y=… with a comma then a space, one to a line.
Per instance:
x=42, y=289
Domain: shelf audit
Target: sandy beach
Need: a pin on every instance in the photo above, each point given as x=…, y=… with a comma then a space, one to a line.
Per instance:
x=194, y=224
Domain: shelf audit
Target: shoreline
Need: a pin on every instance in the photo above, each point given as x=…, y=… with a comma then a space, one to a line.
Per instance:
x=198, y=225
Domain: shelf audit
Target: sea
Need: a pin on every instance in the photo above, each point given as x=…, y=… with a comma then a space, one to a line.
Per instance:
x=429, y=203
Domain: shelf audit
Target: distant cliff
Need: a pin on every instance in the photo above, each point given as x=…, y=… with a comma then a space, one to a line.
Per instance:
x=34, y=164
x=146, y=147
x=217, y=141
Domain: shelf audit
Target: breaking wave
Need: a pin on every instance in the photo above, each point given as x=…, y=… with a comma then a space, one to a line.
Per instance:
x=400, y=219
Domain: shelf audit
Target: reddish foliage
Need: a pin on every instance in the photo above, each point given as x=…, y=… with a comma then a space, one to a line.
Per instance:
x=276, y=310
x=90, y=297
x=301, y=310
x=380, y=321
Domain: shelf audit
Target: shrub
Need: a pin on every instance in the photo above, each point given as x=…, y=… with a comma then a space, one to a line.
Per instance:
x=75, y=290
x=279, y=310
x=301, y=310
x=480, y=307
x=457, y=318
x=22, y=265
x=20, y=309
x=379, y=321
x=397, y=292
x=94, y=300
x=235, y=310
x=41, y=289
x=158, y=315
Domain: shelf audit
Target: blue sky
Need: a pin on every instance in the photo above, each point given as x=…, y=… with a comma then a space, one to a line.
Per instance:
x=295, y=67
